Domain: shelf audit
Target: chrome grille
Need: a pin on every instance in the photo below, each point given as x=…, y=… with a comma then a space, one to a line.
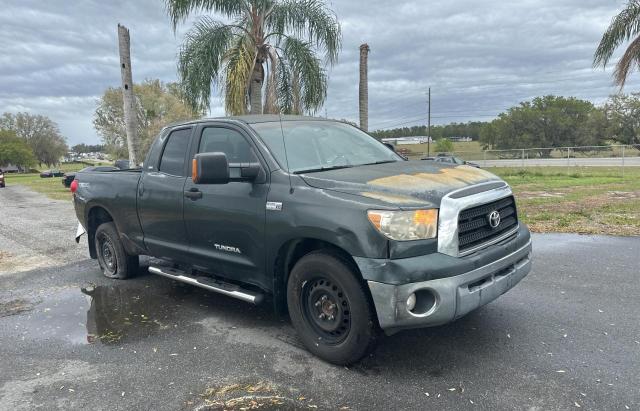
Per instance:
x=474, y=229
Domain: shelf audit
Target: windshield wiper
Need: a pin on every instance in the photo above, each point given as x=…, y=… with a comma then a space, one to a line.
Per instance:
x=316, y=170
x=379, y=162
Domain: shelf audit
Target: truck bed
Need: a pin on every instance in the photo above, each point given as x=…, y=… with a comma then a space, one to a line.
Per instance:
x=116, y=192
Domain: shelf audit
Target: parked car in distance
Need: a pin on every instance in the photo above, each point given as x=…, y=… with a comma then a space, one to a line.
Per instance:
x=51, y=173
x=446, y=158
x=68, y=178
x=2, y=183
x=314, y=216
x=122, y=164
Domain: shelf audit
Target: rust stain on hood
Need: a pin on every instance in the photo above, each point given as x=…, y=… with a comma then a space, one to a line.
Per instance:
x=393, y=198
x=445, y=178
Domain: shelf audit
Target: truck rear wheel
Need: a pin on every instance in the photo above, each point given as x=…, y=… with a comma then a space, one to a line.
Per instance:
x=330, y=310
x=112, y=257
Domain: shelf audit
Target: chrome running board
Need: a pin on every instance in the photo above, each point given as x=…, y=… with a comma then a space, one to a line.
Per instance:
x=210, y=284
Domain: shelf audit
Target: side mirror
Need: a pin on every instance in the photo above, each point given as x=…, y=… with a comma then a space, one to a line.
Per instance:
x=210, y=168
x=249, y=171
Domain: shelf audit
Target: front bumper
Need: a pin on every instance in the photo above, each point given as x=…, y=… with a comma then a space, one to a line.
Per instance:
x=451, y=297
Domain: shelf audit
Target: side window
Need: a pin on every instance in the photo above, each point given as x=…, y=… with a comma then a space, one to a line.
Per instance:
x=172, y=161
x=224, y=140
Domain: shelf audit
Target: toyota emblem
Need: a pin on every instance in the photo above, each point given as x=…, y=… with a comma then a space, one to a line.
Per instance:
x=494, y=219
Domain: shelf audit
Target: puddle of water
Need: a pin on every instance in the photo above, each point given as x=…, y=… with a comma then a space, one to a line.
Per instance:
x=99, y=314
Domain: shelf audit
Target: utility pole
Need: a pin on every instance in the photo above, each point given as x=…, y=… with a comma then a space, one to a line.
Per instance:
x=429, y=127
x=364, y=87
x=130, y=118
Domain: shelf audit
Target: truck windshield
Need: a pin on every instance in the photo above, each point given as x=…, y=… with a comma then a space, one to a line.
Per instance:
x=318, y=145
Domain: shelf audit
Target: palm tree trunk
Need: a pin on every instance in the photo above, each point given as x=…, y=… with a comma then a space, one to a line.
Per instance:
x=127, y=94
x=255, y=90
x=364, y=87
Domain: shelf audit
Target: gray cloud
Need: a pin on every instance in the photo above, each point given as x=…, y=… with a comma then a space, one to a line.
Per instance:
x=478, y=57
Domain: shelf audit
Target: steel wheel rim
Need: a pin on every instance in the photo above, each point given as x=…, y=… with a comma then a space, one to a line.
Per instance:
x=326, y=309
x=107, y=253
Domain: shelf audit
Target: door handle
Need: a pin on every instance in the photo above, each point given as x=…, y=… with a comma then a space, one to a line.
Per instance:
x=193, y=194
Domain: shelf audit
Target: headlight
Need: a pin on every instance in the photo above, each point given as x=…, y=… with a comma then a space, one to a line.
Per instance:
x=405, y=225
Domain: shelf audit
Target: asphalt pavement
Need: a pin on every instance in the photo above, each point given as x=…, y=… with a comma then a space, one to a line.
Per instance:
x=567, y=337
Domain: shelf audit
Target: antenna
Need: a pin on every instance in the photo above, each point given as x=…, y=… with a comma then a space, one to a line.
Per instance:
x=286, y=156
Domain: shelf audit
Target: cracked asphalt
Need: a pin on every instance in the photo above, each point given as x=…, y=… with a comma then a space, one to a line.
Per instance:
x=567, y=337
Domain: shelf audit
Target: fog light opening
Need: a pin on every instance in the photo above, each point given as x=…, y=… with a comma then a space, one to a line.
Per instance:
x=411, y=302
x=423, y=302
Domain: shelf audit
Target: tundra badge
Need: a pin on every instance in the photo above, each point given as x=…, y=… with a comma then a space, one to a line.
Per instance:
x=227, y=248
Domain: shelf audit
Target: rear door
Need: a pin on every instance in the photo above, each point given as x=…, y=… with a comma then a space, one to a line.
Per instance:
x=161, y=195
x=226, y=226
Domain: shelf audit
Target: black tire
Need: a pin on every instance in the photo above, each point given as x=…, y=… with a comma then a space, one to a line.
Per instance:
x=330, y=308
x=112, y=257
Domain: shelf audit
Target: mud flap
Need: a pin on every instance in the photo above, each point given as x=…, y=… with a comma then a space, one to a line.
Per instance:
x=80, y=231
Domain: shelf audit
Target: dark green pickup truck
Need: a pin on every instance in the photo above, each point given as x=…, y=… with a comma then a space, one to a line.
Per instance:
x=315, y=216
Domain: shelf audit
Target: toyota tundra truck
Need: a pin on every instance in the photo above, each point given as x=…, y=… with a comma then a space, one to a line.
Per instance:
x=315, y=216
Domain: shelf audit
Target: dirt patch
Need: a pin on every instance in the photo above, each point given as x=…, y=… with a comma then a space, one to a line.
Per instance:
x=540, y=194
x=15, y=307
x=612, y=213
x=623, y=194
x=10, y=264
x=249, y=396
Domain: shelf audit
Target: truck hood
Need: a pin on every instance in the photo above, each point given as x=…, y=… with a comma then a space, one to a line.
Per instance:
x=402, y=183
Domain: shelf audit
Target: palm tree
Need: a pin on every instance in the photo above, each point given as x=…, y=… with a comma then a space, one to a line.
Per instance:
x=623, y=27
x=272, y=41
x=363, y=95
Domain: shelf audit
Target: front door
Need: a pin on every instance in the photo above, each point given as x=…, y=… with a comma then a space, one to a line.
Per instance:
x=160, y=198
x=226, y=226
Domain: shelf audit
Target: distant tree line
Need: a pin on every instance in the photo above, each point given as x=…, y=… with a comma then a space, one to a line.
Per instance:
x=470, y=129
x=88, y=148
x=39, y=134
x=546, y=122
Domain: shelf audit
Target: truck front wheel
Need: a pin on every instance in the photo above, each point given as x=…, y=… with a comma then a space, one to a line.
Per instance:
x=330, y=310
x=112, y=257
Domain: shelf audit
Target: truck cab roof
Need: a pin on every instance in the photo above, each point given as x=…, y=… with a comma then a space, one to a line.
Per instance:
x=250, y=119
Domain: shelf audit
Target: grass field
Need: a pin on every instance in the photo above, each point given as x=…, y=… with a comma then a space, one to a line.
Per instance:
x=588, y=200
x=52, y=187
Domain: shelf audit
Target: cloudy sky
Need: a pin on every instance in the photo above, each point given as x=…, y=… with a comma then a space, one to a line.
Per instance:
x=479, y=58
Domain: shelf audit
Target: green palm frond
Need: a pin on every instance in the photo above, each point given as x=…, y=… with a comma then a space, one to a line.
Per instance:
x=239, y=63
x=279, y=37
x=629, y=62
x=201, y=58
x=284, y=86
x=179, y=10
x=307, y=72
x=310, y=19
x=622, y=28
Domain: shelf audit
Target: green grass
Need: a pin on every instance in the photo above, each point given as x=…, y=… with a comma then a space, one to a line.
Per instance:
x=588, y=200
x=470, y=150
x=51, y=187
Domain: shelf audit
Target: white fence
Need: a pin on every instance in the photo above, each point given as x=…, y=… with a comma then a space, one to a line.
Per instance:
x=603, y=156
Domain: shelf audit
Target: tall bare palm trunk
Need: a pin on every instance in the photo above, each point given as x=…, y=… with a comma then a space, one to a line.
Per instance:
x=128, y=98
x=255, y=89
x=364, y=87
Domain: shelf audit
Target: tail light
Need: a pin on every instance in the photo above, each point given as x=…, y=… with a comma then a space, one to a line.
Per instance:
x=74, y=186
